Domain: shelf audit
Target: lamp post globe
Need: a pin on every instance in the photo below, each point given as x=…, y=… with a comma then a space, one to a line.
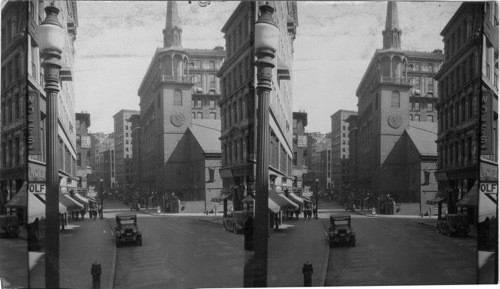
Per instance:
x=50, y=39
x=266, y=43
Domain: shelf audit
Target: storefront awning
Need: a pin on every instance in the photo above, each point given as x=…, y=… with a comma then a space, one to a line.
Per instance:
x=273, y=206
x=471, y=198
x=277, y=199
x=435, y=200
x=81, y=199
x=295, y=198
x=222, y=197
x=69, y=202
x=62, y=208
x=91, y=200
x=306, y=199
x=36, y=208
x=290, y=202
x=20, y=199
x=247, y=199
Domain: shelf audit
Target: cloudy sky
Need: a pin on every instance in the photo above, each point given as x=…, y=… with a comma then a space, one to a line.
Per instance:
x=335, y=42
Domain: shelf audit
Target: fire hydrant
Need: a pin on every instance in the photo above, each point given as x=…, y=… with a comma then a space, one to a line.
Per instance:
x=307, y=270
x=96, y=275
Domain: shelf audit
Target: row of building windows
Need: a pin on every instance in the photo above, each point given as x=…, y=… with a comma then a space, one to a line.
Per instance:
x=202, y=64
x=417, y=106
x=12, y=71
x=11, y=108
x=458, y=39
x=457, y=154
x=199, y=115
x=237, y=77
x=462, y=74
x=423, y=67
x=11, y=153
x=237, y=110
x=455, y=112
x=203, y=103
x=490, y=65
x=240, y=33
x=417, y=117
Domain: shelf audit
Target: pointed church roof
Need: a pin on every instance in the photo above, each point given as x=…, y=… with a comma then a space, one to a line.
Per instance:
x=207, y=133
x=424, y=136
x=392, y=20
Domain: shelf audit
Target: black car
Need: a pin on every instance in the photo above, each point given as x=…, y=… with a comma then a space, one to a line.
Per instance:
x=235, y=221
x=453, y=225
x=341, y=231
x=127, y=229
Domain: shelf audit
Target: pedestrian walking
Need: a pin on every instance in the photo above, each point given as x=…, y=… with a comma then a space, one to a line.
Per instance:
x=305, y=213
x=82, y=212
x=297, y=212
x=309, y=214
x=315, y=210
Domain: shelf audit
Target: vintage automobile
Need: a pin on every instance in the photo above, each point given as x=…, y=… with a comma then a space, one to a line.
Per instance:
x=127, y=230
x=340, y=231
x=453, y=225
x=9, y=225
x=235, y=221
x=350, y=207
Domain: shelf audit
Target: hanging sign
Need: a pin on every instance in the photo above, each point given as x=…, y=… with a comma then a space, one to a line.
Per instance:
x=33, y=110
x=486, y=126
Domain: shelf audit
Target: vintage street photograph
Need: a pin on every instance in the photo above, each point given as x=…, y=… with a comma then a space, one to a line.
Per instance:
x=231, y=144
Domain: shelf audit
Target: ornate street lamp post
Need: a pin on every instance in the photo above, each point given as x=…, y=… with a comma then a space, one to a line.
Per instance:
x=266, y=43
x=51, y=43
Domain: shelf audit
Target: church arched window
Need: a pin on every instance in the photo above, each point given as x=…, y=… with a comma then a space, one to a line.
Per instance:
x=395, y=99
x=177, y=98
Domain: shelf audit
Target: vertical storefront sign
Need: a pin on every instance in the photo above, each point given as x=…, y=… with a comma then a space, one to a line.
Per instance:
x=34, y=147
x=486, y=124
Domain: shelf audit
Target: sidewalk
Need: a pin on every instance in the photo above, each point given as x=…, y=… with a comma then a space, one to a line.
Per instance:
x=81, y=244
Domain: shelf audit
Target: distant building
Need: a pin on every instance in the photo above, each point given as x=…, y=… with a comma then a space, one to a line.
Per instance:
x=123, y=149
x=135, y=176
x=102, y=162
x=83, y=146
x=179, y=120
x=318, y=152
x=340, y=164
x=299, y=168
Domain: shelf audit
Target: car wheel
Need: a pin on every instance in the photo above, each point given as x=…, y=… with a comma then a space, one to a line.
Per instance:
x=139, y=241
x=224, y=227
x=235, y=229
x=353, y=242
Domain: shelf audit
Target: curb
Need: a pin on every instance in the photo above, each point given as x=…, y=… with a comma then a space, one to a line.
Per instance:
x=113, y=261
x=326, y=261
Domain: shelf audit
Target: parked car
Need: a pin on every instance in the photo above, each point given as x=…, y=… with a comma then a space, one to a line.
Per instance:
x=341, y=231
x=453, y=225
x=235, y=221
x=9, y=224
x=350, y=207
x=127, y=230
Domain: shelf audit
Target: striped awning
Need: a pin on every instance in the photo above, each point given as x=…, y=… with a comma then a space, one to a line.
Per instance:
x=81, y=199
x=295, y=198
x=471, y=199
x=273, y=206
x=20, y=199
x=69, y=202
x=41, y=198
x=290, y=202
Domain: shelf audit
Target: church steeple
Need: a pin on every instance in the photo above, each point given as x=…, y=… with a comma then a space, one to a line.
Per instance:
x=392, y=33
x=172, y=32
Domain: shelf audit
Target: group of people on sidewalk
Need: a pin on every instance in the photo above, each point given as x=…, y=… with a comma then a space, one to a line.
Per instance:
x=308, y=211
x=93, y=210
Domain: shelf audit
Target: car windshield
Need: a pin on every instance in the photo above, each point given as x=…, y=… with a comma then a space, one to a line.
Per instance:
x=127, y=222
x=341, y=222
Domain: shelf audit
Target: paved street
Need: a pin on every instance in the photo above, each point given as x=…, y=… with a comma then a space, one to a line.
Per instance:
x=181, y=252
x=13, y=262
x=400, y=251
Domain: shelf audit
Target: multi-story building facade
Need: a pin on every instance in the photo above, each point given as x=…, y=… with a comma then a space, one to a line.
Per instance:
x=136, y=154
x=204, y=64
x=386, y=95
x=299, y=168
x=123, y=148
x=238, y=101
x=178, y=97
x=352, y=177
x=13, y=150
x=421, y=69
x=341, y=166
x=458, y=116
x=102, y=162
x=66, y=151
x=83, y=146
x=318, y=150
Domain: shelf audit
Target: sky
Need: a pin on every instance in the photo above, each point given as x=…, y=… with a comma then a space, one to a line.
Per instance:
x=334, y=45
